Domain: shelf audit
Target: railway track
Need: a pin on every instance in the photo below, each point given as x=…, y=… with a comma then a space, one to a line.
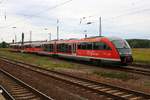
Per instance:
x=107, y=90
x=136, y=70
x=15, y=89
x=144, y=70
x=5, y=93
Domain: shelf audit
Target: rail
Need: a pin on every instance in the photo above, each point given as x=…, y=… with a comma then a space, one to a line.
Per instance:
x=108, y=90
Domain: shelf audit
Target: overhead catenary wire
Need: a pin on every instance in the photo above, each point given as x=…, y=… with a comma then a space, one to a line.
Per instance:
x=120, y=16
x=37, y=14
x=2, y=2
x=129, y=11
x=48, y=9
x=104, y=19
x=63, y=3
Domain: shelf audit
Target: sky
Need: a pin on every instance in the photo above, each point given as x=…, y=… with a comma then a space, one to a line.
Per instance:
x=122, y=18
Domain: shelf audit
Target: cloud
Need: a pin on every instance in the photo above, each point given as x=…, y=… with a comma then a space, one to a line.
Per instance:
x=124, y=18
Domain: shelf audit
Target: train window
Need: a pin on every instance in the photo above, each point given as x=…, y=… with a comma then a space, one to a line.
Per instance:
x=51, y=47
x=44, y=47
x=89, y=46
x=100, y=46
x=69, y=48
x=27, y=46
x=37, y=46
x=83, y=45
x=48, y=47
x=79, y=46
x=96, y=45
x=64, y=48
x=106, y=47
x=57, y=48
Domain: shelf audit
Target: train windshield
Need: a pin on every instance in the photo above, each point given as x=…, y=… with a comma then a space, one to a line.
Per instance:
x=122, y=46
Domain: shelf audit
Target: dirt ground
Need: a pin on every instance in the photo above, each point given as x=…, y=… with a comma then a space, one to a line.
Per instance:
x=1, y=97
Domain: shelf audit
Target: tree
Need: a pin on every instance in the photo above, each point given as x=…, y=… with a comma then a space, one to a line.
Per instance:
x=139, y=43
x=3, y=45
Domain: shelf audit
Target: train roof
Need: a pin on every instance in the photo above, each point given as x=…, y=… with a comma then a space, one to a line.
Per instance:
x=15, y=44
x=73, y=40
x=114, y=38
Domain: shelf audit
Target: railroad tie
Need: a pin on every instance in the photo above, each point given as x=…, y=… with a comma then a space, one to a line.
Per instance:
x=127, y=95
x=99, y=87
x=92, y=86
x=136, y=98
x=105, y=89
x=118, y=93
x=112, y=91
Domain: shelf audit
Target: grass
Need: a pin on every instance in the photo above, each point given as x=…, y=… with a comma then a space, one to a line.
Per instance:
x=116, y=75
x=147, y=84
x=141, y=55
x=35, y=59
x=46, y=62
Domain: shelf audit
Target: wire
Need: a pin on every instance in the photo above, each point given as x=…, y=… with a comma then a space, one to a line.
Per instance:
x=131, y=12
x=50, y=8
x=123, y=15
x=36, y=15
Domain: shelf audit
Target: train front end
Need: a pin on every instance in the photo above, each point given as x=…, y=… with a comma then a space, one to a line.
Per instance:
x=124, y=50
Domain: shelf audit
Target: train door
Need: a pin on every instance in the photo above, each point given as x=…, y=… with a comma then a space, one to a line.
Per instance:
x=74, y=48
x=55, y=48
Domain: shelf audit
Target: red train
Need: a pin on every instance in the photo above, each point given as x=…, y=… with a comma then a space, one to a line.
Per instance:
x=97, y=49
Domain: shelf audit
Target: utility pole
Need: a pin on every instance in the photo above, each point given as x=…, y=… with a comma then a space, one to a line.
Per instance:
x=5, y=16
x=57, y=29
x=85, y=33
x=100, y=27
x=49, y=36
x=30, y=36
x=22, y=40
x=15, y=34
x=13, y=41
x=15, y=38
